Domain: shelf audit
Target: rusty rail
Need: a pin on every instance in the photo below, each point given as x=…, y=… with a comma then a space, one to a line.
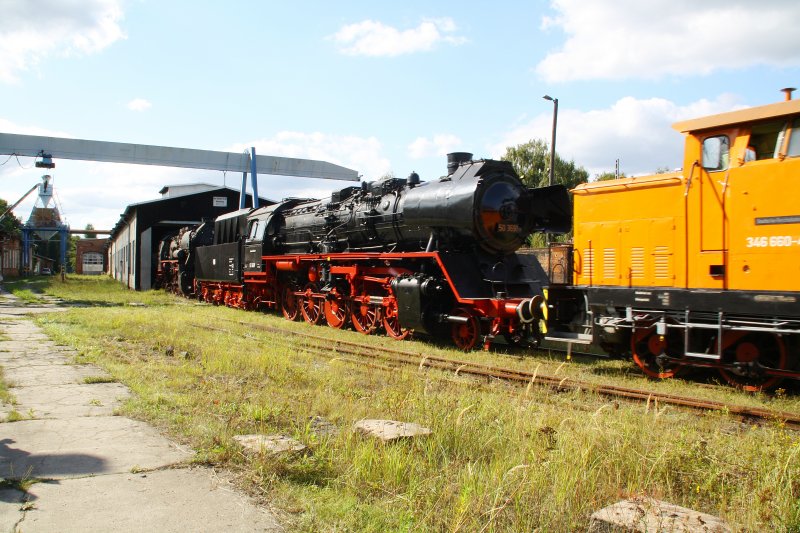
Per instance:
x=558, y=384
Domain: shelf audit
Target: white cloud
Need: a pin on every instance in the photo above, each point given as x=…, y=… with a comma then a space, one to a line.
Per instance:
x=623, y=39
x=375, y=39
x=440, y=145
x=637, y=132
x=32, y=31
x=139, y=104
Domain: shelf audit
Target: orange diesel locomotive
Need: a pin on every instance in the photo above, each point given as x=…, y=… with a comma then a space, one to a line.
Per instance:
x=697, y=268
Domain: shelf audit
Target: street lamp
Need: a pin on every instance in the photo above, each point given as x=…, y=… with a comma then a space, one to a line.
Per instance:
x=553, y=145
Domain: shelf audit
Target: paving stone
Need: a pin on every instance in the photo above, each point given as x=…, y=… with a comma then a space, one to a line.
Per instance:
x=53, y=374
x=269, y=444
x=58, y=374
x=18, y=361
x=76, y=447
x=388, y=430
x=166, y=501
x=646, y=515
x=69, y=401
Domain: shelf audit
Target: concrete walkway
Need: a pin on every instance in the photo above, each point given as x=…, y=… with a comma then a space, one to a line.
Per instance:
x=69, y=464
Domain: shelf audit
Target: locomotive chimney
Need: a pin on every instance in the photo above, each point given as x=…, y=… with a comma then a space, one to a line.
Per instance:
x=788, y=92
x=456, y=158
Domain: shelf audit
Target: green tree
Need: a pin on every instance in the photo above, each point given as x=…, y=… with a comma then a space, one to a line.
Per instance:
x=10, y=226
x=89, y=226
x=72, y=252
x=606, y=176
x=531, y=160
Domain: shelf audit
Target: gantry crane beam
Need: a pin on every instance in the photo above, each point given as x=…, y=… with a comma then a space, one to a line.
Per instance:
x=142, y=154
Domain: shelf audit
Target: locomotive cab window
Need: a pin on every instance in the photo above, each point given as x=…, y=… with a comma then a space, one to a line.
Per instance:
x=794, y=140
x=256, y=232
x=767, y=139
x=716, y=153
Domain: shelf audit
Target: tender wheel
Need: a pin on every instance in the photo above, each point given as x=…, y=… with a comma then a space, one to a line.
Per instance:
x=365, y=317
x=311, y=307
x=466, y=334
x=646, y=347
x=748, y=355
x=336, y=309
x=391, y=321
x=289, y=304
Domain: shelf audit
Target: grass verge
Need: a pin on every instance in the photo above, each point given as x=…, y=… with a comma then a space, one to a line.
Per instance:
x=499, y=459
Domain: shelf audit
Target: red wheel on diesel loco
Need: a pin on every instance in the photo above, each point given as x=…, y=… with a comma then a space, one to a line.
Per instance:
x=649, y=350
x=747, y=354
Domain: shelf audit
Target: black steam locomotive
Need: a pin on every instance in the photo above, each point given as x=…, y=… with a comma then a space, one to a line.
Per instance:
x=433, y=257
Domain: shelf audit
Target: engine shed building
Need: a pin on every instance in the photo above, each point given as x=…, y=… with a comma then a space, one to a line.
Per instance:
x=133, y=245
x=90, y=256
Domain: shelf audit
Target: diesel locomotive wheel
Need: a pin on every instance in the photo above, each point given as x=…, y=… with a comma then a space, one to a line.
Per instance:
x=748, y=355
x=365, y=317
x=391, y=322
x=289, y=304
x=649, y=352
x=336, y=309
x=310, y=306
x=466, y=333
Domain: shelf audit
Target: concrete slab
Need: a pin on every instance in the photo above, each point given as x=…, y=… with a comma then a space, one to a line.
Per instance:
x=69, y=401
x=647, y=514
x=388, y=430
x=269, y=444
x=50, y=374
x=164, y=501
x=17, y=361
x=76, y=447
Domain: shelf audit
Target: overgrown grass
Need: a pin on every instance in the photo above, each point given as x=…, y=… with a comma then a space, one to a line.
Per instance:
x=499, y=459
x=5, y=395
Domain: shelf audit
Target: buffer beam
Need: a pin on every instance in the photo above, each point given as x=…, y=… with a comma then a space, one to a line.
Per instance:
x=142, y=154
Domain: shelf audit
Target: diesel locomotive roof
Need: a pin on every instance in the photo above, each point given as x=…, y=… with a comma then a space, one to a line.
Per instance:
x=751, y=114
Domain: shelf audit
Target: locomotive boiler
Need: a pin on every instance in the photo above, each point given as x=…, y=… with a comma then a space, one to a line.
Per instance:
x=401, y=255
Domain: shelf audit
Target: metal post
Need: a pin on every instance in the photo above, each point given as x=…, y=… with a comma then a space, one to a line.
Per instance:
x=243, y=190
x=63, y=233
x=26, y=249
x=551, y=178
x=553, y=145
x=254, y=175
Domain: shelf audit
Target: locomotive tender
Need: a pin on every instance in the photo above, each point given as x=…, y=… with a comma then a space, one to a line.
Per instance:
x=432, y=257
x=698, y=268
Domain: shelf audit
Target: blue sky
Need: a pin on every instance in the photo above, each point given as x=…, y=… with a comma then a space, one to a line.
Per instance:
x=375, y=86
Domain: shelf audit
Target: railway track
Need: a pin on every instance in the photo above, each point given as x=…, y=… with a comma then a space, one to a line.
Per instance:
x=559, y=384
